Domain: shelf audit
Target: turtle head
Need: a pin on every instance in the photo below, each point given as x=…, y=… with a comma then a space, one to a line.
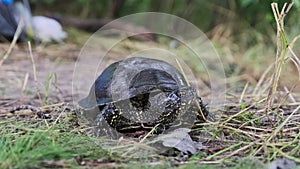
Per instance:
x=149, y=83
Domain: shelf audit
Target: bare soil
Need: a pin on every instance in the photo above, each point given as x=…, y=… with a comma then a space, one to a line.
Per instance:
x=17, y=82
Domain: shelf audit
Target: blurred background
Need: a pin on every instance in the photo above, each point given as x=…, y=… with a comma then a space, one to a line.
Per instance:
x=244, y=30
x=232, y=18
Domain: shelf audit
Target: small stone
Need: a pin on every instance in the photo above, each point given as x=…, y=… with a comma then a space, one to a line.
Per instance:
x=181, y=140
x=282, y=163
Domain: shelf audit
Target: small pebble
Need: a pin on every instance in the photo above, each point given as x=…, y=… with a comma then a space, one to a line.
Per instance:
x=282, y=163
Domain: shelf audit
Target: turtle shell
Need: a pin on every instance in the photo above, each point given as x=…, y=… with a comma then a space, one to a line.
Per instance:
x=137, y=94
x=100, y=91
x=127, y=78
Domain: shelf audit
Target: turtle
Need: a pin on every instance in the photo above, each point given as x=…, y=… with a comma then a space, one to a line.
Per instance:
x=139, y=94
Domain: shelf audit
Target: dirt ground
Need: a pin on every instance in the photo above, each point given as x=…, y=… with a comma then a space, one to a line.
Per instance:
x=17, y=82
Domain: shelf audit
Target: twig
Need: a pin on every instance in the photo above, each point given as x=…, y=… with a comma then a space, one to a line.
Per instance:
x=148, y=134
x=14, y=41
x=223, y=151
x=188, y=83
x=295, y=59
x=275, y=132
x=58, y=117
x=289, y=93
x=182, y=72
x=32, y=61
x=282, y=124
x=280, y=53
x=262, y=79
x=242, y=111
x=34, y=71
x=243, y=93
x=239, y=150
x=25, y=82
x=241, y=131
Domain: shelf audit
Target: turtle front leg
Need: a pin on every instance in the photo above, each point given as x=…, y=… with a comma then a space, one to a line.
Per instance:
x=104, y=122
x=201, y=109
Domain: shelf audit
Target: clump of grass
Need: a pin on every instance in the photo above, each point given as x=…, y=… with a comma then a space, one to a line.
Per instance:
x=282, y=45
x=48, y=85
x=32, y=143
x=43, y=99
x=31, y=149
